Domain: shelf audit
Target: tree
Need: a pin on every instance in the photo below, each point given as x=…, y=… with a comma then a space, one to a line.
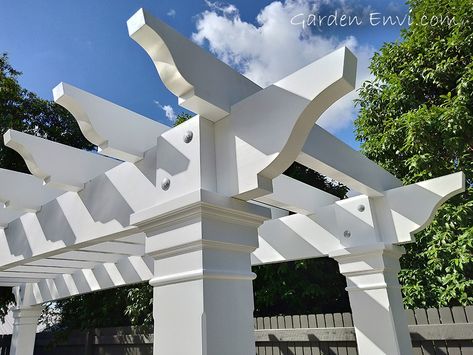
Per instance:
x=22, y=110
x=416, y=120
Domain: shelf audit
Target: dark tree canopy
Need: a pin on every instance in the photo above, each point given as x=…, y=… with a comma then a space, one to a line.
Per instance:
x=24, y=111
x=416, y=120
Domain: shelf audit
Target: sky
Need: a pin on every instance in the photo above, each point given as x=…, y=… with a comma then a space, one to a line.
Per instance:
x=85, y=43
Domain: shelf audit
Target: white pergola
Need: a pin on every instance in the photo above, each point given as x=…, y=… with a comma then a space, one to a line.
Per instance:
x=191, y=208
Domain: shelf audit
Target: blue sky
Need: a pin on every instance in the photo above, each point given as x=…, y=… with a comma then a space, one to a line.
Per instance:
x=85, y=43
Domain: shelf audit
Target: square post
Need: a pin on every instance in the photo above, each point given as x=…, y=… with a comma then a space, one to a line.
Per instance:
x=203, y=292
x=25, y=322
x=375, y=297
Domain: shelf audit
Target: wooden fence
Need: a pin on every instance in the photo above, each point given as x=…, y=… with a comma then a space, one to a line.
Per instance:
x=442, y=331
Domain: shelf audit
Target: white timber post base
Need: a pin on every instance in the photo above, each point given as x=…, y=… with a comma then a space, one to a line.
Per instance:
x=25, y=322
x=203, y=292
x=375, y=297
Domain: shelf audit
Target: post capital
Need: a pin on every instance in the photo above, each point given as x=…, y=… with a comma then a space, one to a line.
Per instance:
x=200, y=219
x=358, y=263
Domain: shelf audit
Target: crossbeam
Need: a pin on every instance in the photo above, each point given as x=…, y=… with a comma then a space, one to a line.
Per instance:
x=331, y=157
x=203, y=84
x=56, y=164
x=116, y=131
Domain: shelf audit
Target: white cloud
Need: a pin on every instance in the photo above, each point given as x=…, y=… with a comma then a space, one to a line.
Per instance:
x=168, y=111
x=274, y=48
x=171, y=13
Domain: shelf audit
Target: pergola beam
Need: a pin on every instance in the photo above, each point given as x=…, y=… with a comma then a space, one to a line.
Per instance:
x=56, y=164
x=295, y=196
x=24, y=192
x=125, y=271
x=203, y=84
x=76, y=218
x=251, y=152
x=331, y=157
x=116, y=131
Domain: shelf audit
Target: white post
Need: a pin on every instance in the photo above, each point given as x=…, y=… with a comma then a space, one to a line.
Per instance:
x=375, y=297
x=25, y=322
x=203, y=292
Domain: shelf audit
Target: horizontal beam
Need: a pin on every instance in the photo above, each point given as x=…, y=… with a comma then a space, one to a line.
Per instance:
x=74, y=221
x=331, y=157
x=58, y=165
x=43, y=269
x=118, y=248
x=293, y=237
x=203, y=84
x=117, y=131
x=26, y=275
x=419, y=332
x=96, y=257
x=24, y=192
x=74, y=264
x=295, y=196
x=125, y=271
x=252, y=150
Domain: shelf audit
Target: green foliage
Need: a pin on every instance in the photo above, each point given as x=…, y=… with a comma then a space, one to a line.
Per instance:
x=23, y=111
x=416, y=120
x=182, y=117
x=94, y=310
x=300, y=287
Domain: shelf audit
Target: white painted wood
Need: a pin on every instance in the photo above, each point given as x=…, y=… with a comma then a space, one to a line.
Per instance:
x=25, y=321
x=80, y=219
x=63, y=223
x=202, y=271
x=294, y=237
x=24, y=192
x=409, y=209
x=188, y=166
x=89, y=256
x=41, y=269
x=11, y=282
x=203, y=84
x=118, y=248
x=134, y=239
x=296, y=196
x=118, y=132
x=56, y=164
x=126, y=271
x=374, y=291
x=331, y=157
x=6, y=216
x=63, y=263
x=252, y=149
x=28, y=275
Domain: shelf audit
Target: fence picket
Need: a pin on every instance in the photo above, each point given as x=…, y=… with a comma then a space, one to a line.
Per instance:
x=434, y=318
x=421, y=318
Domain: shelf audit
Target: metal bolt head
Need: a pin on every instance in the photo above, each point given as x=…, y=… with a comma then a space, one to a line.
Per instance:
x=347, y=234
x=188, y=136
x=165, y=184
x=361, y=208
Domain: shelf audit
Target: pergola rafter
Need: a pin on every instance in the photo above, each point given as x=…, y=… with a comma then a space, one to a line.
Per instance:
x=191, y=208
